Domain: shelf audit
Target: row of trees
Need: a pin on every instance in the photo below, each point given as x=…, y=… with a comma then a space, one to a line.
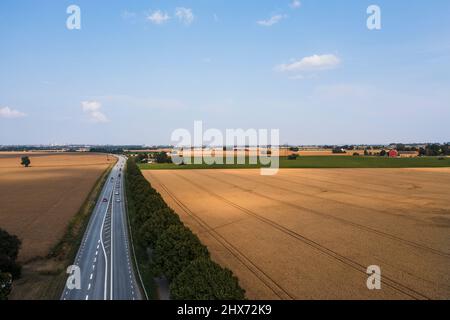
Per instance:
x=9, y=268
x=434, y=150
x=159, y=157
x=177, y=253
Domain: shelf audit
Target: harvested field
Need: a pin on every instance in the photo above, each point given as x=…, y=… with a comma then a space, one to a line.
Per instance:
x=312, y=233
x=38, y=202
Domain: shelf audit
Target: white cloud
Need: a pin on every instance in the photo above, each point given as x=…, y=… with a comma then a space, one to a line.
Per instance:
x=272, y=20
x=185, y=15
x=158, y=17
x=92, y=109
x=91, y=106
x=295, y=4
x=315, y=62
x=9, y=113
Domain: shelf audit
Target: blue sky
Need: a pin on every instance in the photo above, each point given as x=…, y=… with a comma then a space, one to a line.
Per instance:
x=136, y=70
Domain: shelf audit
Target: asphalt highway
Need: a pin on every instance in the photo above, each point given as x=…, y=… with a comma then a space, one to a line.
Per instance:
x=104, y=258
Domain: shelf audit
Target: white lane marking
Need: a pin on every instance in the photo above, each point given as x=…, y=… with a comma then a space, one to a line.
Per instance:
x=98, y=246
x=90, y=278
x=87, y=297
x=89, y=286
x=104, y=253
x=95, y=259
x=90, y=227
x=96, y=252
x=112, y=248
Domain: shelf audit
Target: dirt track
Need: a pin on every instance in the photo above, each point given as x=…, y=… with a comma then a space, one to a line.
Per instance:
x=310, y=234
x=38, y=202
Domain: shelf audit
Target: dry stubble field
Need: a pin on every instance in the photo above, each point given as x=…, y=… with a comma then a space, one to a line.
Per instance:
x=311, y=233
x=38, y=202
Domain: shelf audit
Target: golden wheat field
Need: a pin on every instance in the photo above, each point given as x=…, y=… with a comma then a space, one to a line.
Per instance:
x=311, y=234
x=38, y=202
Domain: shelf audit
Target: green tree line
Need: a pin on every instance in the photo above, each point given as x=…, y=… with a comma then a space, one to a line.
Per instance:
x=435, y=150
x=177, y=253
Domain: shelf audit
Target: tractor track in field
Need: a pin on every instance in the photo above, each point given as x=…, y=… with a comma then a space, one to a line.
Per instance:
x=267, y=280
x=341, y=220
x=384, y=212
x=387, y=281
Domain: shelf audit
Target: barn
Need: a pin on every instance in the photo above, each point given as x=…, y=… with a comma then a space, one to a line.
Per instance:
x=393, y=153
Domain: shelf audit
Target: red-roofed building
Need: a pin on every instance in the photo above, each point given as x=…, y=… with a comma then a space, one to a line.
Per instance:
x=393, y=153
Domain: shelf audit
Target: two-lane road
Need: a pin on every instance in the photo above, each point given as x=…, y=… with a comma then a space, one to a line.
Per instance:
x=104, y=257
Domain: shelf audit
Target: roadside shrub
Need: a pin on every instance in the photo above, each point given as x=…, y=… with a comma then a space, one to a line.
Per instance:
x=175, y=249
x=158, y=222
x=204, y=279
